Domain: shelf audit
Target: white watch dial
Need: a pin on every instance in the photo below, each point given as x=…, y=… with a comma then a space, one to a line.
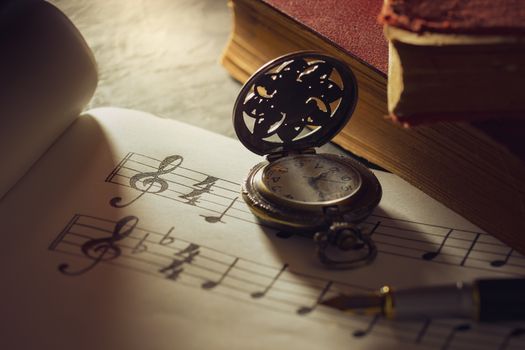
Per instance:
x=311, y=179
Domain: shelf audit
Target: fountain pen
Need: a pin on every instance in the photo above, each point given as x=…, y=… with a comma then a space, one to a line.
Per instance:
x=484, y=300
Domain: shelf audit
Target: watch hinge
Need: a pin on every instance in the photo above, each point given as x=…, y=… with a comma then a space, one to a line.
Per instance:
x=332, y=211
x=276, y=155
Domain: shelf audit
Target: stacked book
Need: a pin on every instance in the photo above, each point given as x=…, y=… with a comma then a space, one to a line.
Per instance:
x=453, y=70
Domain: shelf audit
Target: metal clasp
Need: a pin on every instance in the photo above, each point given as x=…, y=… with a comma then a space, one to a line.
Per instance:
x=347, y=238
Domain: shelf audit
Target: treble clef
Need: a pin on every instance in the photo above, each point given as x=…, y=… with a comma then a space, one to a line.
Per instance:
x=145, y=182
x=100, y=249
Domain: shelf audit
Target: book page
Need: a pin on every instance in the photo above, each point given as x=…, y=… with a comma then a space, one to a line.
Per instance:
x=131, y=233
x=48, y=77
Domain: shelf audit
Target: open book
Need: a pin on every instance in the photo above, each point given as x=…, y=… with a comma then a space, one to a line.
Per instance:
x=130, y=233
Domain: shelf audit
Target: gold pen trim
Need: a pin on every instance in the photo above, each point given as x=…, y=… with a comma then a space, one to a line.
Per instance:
x=388, y=302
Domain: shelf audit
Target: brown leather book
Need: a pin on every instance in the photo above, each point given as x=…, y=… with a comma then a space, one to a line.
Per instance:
x=464, y=165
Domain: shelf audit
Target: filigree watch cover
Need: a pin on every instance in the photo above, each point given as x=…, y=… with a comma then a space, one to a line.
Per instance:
x=297, y=91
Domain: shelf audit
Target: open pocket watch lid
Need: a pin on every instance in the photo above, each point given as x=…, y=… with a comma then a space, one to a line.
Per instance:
x=297, y=101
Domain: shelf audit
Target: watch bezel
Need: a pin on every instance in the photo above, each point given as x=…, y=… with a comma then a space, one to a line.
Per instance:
x=282, y=215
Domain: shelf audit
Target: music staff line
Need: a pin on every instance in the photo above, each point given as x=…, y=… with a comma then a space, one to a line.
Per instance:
x=181, y=184
x=380, y=243
x=130, y=154
x=121, y=165
x=237, y=185
x=179, y=196
x=201, y=256
x=463, y=258
x=404, y=333
x=448, y=246
x=501, y=259
x=419, y=334
x=355, y=322
x=427, y=250
x=407, y=329
x=203, y=267
x=178, y=193
x=253, y=284
x=448, y=229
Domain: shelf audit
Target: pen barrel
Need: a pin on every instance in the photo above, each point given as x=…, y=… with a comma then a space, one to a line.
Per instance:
x=500, y=299
x=433, y=301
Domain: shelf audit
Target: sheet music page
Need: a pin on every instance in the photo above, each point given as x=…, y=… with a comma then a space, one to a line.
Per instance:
x=130, y=233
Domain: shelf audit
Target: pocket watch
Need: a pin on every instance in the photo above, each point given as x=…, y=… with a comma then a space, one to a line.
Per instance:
x=285, y=110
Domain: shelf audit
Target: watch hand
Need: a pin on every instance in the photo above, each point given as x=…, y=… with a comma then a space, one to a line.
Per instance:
x=316, y=178
x=321, y=177
x=339, y=182
x=312, y=182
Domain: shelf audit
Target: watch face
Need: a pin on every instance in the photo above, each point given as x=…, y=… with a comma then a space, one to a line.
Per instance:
x=311, y=179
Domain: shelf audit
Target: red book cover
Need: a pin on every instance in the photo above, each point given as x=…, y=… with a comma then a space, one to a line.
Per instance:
x=502, y=17
x=348, y=24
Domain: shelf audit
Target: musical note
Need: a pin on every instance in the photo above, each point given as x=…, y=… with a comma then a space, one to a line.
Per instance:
x=432, y=255
x=464, y=260
x=215, y=219
x=193, y=197
x=363, y=332
x=260, y=294
x=213, y=284
x=459, y=328
x=206, y=183
x=101, y=249
x=516, y=332
x=499, y=262
x=166, y=239
x=126, y=233
x=374, y=228
x=148, y=180
x=303, y=310
x=173, y=270
x=423, y=330
x=140, y=247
